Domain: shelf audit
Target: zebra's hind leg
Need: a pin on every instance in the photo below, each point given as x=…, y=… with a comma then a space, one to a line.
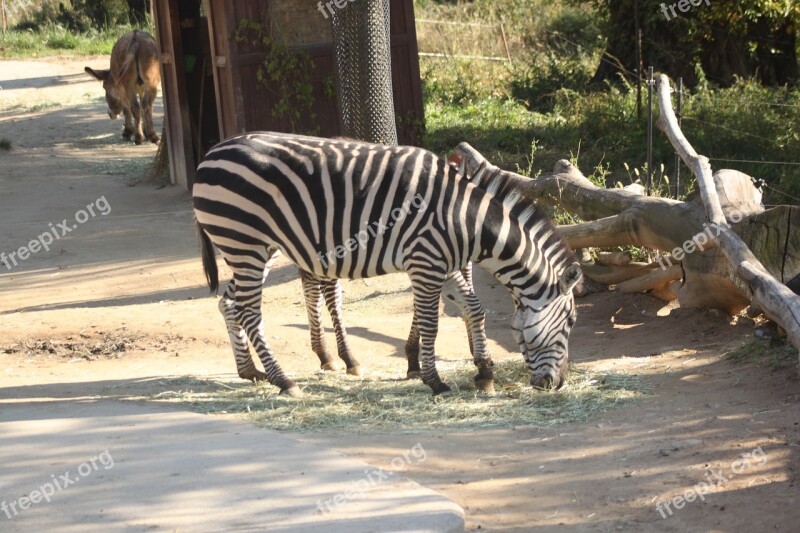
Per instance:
x=245, y=365
x=333, y=299
x=427, y=289
x=314, y=301
x=249, y=278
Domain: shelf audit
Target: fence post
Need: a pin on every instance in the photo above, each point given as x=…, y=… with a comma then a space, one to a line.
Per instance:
x=678, y=157
x=638, y=36
x=505, y=41
x=650, y=84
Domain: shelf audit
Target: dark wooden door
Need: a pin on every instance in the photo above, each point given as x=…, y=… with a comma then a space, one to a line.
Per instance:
x=244, y=104
x=173, y=91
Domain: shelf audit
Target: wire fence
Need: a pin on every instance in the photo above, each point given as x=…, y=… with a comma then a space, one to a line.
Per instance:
x=447, y=39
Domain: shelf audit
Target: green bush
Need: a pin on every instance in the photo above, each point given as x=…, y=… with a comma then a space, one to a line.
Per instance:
x=77, y=15
x=62, y=41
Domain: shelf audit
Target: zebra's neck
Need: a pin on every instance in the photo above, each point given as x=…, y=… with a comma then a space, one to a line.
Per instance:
x=519, y=246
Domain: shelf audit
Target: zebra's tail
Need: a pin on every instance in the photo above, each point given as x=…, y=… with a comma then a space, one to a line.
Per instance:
x=209, y=258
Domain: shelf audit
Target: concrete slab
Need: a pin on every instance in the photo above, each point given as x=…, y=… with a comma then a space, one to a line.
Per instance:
x=85, y=466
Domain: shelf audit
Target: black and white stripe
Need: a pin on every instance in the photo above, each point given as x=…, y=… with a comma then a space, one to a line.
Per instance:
x=260, y=193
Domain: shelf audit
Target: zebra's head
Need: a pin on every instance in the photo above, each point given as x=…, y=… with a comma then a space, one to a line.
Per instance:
x=543, y=333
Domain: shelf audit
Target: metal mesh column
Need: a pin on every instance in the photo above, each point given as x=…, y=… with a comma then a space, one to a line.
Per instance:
x=362, y=41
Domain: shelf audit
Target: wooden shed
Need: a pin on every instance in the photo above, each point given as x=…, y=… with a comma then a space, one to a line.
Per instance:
x=210, y=82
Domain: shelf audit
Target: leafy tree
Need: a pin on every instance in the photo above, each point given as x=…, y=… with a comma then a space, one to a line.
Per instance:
x=719, y=40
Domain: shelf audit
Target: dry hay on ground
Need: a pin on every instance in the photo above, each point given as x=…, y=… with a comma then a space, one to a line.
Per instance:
x=380, y=400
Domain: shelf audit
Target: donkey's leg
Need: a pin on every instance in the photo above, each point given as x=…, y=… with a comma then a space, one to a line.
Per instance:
x=426, y=286
x=136, y=110
x=314, y=301
x=333, y=300
x=245, y=365
x=148, y=97
x=127, y=129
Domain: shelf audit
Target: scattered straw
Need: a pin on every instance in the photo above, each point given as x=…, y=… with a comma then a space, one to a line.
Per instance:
x=380, y=400
x=109, y=346
x=776, y=354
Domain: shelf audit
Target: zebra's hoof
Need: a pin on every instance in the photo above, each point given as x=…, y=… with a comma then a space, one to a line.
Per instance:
x=330, y=366
x=441, y=390
x=413, y=374
x=292, y=392
x=253, y=375
x=486, y=386
x=354, y=370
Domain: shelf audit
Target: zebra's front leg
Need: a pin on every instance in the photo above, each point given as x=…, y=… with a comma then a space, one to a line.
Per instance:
x=314, y=301
x=245, y=365
x=463, y=281
x=427, y=290
x=412, y=351
x=333, y=299
x=458, y=290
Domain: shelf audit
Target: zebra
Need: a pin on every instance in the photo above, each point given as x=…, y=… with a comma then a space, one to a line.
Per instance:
x=260, y=193
x=317, y=290
x=314, y=288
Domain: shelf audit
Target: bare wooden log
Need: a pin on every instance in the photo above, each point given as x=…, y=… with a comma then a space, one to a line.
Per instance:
x=700, y=166
x=776, y=300
x=614, y=258
x=657, y=279
x=606, y=232
x=668, y=293
x=611, y=275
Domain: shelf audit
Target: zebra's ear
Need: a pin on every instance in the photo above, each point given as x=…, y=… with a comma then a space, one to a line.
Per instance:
x=570, y=277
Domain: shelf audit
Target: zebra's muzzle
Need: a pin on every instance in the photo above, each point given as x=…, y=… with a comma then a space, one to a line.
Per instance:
x=547, y=382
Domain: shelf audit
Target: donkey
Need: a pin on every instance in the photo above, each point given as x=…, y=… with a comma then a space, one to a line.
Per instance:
x=131, y=83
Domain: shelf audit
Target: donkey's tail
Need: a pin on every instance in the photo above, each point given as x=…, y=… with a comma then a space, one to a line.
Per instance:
x=209, y=258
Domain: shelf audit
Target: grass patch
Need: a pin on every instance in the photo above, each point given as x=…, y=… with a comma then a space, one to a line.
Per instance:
x=380, y=400
x=5, y=144
x=775, y=354
x=58, y=41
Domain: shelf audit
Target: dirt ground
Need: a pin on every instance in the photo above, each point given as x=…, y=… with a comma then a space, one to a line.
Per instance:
x=127, y=287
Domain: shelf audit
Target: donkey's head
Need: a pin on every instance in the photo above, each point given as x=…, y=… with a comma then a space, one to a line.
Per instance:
x=113, y=96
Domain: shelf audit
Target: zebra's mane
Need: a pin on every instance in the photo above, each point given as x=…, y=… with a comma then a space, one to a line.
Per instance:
x=528, y=213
